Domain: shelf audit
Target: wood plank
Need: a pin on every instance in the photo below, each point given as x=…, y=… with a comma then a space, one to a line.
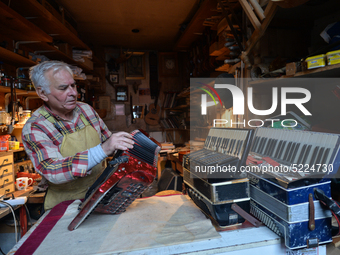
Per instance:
x=234, y=67
x=195, y=28
x=256, y=36
x=36, y=198
x=223, y=56
x=218, y=49
x=223, y=25
x=228, y=68
x=18, y=28
x=37, y=14
x=259, y=11
x=55, y=54
x=21, y=91
x=326, y=71
x=251, y=15
x=223, y=68
x=14, y=59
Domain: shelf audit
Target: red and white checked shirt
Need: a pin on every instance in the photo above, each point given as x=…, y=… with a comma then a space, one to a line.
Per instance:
x=42, y=142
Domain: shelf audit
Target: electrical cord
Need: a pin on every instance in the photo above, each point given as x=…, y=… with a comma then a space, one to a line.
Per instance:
x=14, y=218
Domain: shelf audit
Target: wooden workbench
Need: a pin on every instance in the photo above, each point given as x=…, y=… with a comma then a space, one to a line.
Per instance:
x=139, y=232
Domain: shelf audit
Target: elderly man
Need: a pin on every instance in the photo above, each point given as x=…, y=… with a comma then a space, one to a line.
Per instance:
x=65, y=139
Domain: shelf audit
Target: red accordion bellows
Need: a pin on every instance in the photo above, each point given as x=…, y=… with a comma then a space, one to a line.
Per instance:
x=122, y=181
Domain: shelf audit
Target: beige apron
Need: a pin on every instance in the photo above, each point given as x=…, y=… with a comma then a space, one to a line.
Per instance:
x=73, y=143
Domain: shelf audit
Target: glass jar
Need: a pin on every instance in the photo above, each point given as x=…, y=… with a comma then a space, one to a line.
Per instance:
x=26, y=114
x=3, y=118
x=6, y=82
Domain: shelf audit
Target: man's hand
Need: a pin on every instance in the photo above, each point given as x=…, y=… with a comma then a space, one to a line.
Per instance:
x=118, y=141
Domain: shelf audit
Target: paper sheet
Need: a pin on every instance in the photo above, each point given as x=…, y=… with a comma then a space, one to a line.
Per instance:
x=147, y=223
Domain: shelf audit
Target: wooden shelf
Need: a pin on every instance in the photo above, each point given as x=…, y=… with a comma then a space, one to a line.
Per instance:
x=22, y=163
x=176, y=129
x=223, y=68
x=228, y=68
x=177, y=108
x=8, y=90
x=327, y=71
x=21, y=149
x=195, y=28
x=53, y=53
x=17, y=27
x=331, y=71
x=217, y=49
x=14, y=59
x=42, y=18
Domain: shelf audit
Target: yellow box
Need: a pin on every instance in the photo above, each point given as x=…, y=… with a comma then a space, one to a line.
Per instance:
x=316, y=61
x=13, y=145
x=333, y=57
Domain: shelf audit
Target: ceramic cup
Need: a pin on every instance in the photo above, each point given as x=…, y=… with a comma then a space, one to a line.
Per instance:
x=23, y=182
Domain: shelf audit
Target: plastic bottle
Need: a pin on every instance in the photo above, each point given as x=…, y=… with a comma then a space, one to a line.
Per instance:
x=21, y=79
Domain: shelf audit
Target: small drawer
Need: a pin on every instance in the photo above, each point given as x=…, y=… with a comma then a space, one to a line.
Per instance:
x=5, y=180
x=6, y=170
x=5, y=160
x=8, y=188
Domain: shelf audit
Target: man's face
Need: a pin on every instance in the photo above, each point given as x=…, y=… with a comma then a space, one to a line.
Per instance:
x=63, y=97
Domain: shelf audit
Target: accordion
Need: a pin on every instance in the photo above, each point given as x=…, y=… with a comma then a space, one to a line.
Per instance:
x=124, y=179
x=215, y=194
x=285, y=200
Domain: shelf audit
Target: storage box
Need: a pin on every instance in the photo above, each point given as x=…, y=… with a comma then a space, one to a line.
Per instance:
x=286, y=212
x=13, y=145
x=316, y=61
x=333, y=57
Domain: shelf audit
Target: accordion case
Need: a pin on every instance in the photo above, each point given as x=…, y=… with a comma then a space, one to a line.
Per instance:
x=221, y=212
x=292, y=213
x=285, y=201
x=215, y=194
x=126, y=177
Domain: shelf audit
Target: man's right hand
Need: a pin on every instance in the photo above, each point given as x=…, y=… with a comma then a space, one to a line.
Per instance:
x=118, y=141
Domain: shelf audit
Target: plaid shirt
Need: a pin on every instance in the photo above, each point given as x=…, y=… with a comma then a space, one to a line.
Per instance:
x=42, y=142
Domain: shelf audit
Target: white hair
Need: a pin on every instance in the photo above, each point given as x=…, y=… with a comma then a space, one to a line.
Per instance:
x=38, y=72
